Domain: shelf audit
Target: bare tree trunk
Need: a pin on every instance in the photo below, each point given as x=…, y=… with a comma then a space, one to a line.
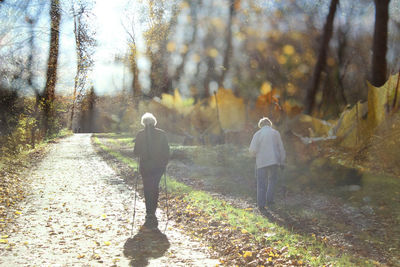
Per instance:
x=31, y=22
x=321, y=61
x=84, y=44
x=228, y=41
x=395, y=98
x=77, y=43
x=136, y=88
x=161, y=82
x=49, y=91
x=379, y=46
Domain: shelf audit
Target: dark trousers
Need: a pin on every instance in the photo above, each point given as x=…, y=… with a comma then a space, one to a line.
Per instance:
x=270, y=174
x=151, y=180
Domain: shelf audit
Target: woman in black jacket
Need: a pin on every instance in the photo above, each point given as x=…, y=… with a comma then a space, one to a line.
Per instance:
x=151, y=146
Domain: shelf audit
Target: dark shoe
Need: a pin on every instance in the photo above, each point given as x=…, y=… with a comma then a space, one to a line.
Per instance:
x=151, y=221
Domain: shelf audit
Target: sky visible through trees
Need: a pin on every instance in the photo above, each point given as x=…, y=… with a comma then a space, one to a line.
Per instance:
x=112, y=21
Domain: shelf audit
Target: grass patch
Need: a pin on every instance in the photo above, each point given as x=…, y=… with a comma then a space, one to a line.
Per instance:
x=130, y=162
x=314, y=251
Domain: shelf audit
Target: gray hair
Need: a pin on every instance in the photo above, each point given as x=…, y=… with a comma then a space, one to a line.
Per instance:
x=148, y=119
x=264, y=122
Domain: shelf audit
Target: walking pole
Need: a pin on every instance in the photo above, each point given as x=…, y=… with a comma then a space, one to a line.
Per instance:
x=166, y=200
x=134, y=202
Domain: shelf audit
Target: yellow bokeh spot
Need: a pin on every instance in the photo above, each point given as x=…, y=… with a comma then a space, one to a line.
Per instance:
x=288, y=50
x=196, y=58
x=218, y=23
x=184, y=5
x=261, y=46
x=265, y=88
x=212, y=52
x=291, y=89
x=171, y=46
x=282, y=59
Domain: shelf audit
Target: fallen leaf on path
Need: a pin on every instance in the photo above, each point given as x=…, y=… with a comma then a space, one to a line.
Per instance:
x=247, y=254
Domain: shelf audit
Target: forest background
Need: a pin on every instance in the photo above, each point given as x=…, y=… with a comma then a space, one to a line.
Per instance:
x=208, y=69
x=325, y=72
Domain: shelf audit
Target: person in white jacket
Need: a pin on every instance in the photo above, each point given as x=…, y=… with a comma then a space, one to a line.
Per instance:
x=270, y=154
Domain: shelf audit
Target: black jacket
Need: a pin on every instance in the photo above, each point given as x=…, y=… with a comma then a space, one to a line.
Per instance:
x=151, y=146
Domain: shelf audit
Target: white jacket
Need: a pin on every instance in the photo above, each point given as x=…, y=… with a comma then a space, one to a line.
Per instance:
x=268, y=148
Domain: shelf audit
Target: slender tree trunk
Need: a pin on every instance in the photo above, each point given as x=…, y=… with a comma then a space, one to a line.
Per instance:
x=49, y=91
x=228, y=41
x=321, y=61
x=379, y=46
x=395, y=98
x=77, y=43
x=136, y=88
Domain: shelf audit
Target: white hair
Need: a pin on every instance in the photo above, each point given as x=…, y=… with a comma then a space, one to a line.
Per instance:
x=264, y=122
x=148, y=119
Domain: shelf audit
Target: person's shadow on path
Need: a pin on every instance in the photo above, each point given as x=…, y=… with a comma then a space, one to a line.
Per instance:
x=144, y=245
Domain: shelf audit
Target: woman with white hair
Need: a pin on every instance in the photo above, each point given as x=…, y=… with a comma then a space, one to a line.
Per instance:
x=268, y=149
x=151, y=146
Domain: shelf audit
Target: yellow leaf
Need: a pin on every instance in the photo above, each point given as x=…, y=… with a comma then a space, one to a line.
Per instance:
x=18, y=212
x=81, y=256
x=247, y=254
x=107, y=243
x=244, y=231
x=104, y=216
x=4, y=236
x=3, y=241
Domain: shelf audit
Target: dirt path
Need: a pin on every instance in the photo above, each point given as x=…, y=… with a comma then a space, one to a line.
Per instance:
x=80, y=213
